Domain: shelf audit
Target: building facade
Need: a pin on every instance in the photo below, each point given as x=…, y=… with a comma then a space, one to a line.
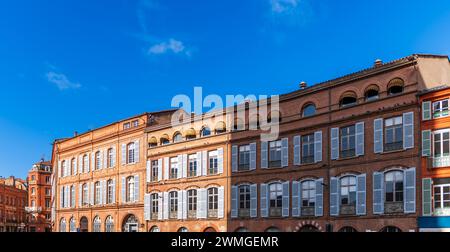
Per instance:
x=13, y=200
x=39, y=197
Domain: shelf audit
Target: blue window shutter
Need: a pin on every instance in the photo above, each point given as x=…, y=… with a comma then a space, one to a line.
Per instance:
x=410, y=190
x=234, y=158
x=285, y=153
x=160, y=169
x=378, y=135
x=361, y=194
x=378, y=193
x=426, y=111
x=124, y=154
x=264, y=155
x=426, y=143
x=165, y=209
x=264, y=201
x=137, y=152
x=427, y=208
x=253, y=200
x=220, y=160
x=297, y=153
x=124, y=190
x=252, y=156
x=295, y=199
x=359, y=139
x=221, y=203
x=335, y=143
x=408, y=130
x=113, y=198
x=148, y=171
x=166, y=168
x=285, y=200
x=319, y=198
x=334, y=196
x=317, y=146
x=234, y=201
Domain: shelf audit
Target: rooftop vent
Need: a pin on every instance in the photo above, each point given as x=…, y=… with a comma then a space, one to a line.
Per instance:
x=303, y=85
x=378, y=63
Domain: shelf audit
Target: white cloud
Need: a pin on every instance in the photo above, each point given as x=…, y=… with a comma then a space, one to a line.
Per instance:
x=173, y=46
x=61, y=81
x=290, y=12
x=281, y=6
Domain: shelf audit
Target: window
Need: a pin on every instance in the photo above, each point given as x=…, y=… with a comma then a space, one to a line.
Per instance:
x=33, y=191
x=135, y=123
x=308, y=193
x=244, y=158
x=347, y=230
x=192, y=165
x=395, y=86
x=85, y=163
x=276, y=199
x=213, y=163
x=33, y=203
x=110, y=158
x=394, y=186
x=173, y=205
x=309, y=110
x=275, y=153
x=97, y=224
x=220, y=128
x=348, y=191
x=190, y=134
x=213, y=202
x=48, y=192
x=391, y=229
x=109, y=224
x=130, y=189
x=206, y=131
x=72, y=196
x=64, y=168
x=98, y=191
x=47, y=203
x=85, y=196
x=348, y=141
x=152, y=142
x=62, y=225
x=177, y=137
x=126, y=125
x=173, y=168
x=165, y=140
x=154, y=229
x=154, y=175
x=393, y=133
x=442, y=198
x=47, y=179
x=183, y=230
x=441, y=144
x=33, y=178
x=98, y=164
x=348, y=99
x=244, y=201
x=274, y=117
x=307, y=149
x=155, y=206
x=109, y=195
x=440, y=109
x=72, y=225
x=192, y=203
x=72, y=165
x=372, y=93
x=131, y=153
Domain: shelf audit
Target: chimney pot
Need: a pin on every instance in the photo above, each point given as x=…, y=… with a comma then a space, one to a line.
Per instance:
x=378, y=63
x=303, y=85
x=75, y=133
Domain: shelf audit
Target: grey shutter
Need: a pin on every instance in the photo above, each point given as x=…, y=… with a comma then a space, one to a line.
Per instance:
x=410, y=190
x=253, y=200
x=426, y=143
x=148, y=171
x=221, y=203
x=105, y=158
x=264, y=201
x=180, y=204
x=92, y=191
x=234, y=158
x=136, y=188
x=66, y=196
x=285, y=200
x=160, y=169
x=220, y=160
x=93, y=161
x=184, y=204
x=297, y=149
x=318, y=211
x=234, y=201
x=295, y=198
x=61, y=197
x=285, y=153
x=334, y=196
x=166, y=168
x=252, y=156
x=75, y=168
x=426, y=197
x=334, y=143
x=199, y=164
x=160, y=206
x=137, y=151
x=100, y=165
x=426, y=111
x=80, y=195
x=378, y=135
x=359, y=138
x=80, y=165
x=378, y=193
x=147, y=207
x=113, y=198
x=202, y=204
x=205, y=163
x=185, y=165
x=166, y=206
x=124, y=190
x=124, y=154
x=264, y=155
x=105, y=192
x=361, y=194
x=179, y=166
x=408, y=130
x=88, y=165
x=114, y=156
x=318, y=146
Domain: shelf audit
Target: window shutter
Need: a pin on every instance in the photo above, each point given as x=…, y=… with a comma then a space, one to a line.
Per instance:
x=124, y=154
x=264, y=201
x=113, y=198
x=180, y=166
x=334, y=143
x=334, y=196
x=185, y=165
x=426, y=111
x=204, y=163
x=378, y=193
x=234, y=158
x=295, y=202
x=199, y=163
x=180, y=205
x=408, y=130
x=427, y=208
x=136, y=188
x=318, y=209
x=184, y=204
x=285, y=153
x=92, y=194
x=201, y=204
x=75, y=168
x=88, y=166
x=80, y=165
x=148, y=171
x=234, y=201
x=426, y=143
x=160, y=169
x=378, y=135
x=166, y=168
x=93, y=161
x=221, y=203
x=105, y=191
x=61, y=197
x=137, y=151
x=80, y=195
x=318, y=146
x=166, y=206
x=410, y=190
x=67, y=194
x=114, y=156
x=264, y=155
x=147, y=207
x=160, y=206
x=297, y=153
x=105, y=159
x=220, y=160
x=124, y=190
x=59, y=169
x=101, y=160
x=359, y=139
x=252, y=156
x=253, y=200
x=361, y=194
x=285, y=200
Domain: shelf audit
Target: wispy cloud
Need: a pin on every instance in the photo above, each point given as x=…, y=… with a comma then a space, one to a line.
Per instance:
x=290, y=12
x=280, y=6
x=170, y=46
x=61, y=81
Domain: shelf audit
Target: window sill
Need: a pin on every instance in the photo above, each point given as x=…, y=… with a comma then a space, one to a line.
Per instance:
x=392, y=151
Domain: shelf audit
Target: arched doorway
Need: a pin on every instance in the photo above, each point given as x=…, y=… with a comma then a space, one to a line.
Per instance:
x=210, y=230
x=308, y=229
x=84, y=224
x=391, y=229
x=130, y=224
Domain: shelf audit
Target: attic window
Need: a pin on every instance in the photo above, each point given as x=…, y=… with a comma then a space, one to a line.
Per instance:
x=348, y=99
x=396, y=86
x=372, y=93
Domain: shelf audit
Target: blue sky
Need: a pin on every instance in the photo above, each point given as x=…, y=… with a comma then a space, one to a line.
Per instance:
x=74, y=65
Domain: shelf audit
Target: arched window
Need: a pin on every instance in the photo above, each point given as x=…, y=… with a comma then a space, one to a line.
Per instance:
x=84, y=224
x=97, y=225
x=177, y=137
x=220, y=128
x=244, y=201
x=72, y=166
x=183, y=230
x=393, y=186
x=109, y=224
x=165, y=140
x=190, y=134
x=62, y=225
x=110, y=160
x=209, y=230
x=72, y=196
x=131, y=153
x=213, y=202
x=308, y=194
x=395, y=86
x=85, y=163
x=309, y=229
x=391, y=229
x=152, y=142
x=242, y=230
x=72, y=225
x=348, y=99
x=154, y=229
x=173, y=205
x=97, y=195
x=347, y=195
x=347, y=230
x=130, y=224
x=110, y=192
x=98, y=162
x=130, y=189
x=192, y=203
x=154, y=198
x=64, y=168
x=273, y=230
x=85, y=195
x=275, y=199
x=206, y=131
x=372, y=93
x=309, y=110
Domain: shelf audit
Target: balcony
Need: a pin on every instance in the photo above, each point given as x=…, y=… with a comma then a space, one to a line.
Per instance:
x=33, y=209
x=436, y=162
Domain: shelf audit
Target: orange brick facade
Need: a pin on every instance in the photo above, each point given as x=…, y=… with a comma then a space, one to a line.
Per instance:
x=39, y=197
x=13, y=200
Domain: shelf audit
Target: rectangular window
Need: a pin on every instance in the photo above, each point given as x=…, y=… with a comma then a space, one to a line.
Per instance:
x=154, y=175
x=393, y=128
x=192, y=165
x=442, y=198
x=135, y=123
x=275, y=153
x=244, y=201
x=213, y=163
x=126, y=125
x=155, y=202
x=244, y=158
x=307, y=149
x=173, y=205
x=440, y=109
x=173, y=168
x=348, y=141
x=441, y=157
x=47, y=203
x=47, y=179
x=192, y=203
x=213, y=199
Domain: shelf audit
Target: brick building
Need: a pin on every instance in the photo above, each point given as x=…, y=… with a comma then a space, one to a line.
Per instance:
x=39, y=197
x=13, y=200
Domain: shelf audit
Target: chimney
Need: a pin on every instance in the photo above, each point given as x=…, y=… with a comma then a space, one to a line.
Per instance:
x=75, y=133
x=303, y=85
x=378, y=63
